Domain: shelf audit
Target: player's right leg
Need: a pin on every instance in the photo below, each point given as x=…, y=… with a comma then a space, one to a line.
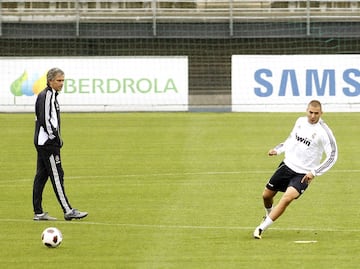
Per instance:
x=290, y=195
x=268, y=199
x=40, y=180
x=278, y=182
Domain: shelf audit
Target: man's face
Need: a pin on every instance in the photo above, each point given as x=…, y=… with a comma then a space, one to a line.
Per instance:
x=313, y=114
x=57, y=83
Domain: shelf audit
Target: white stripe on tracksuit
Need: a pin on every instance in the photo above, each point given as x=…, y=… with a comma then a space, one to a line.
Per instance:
x=58, y=186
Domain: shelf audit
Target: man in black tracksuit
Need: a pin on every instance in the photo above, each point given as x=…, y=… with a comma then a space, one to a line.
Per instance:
x=47, y=140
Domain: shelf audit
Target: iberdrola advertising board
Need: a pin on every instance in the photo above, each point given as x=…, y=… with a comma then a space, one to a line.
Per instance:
x=98, y=83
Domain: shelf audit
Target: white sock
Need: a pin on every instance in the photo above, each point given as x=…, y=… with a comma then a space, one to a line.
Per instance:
x=268, y=210
x=266, y=223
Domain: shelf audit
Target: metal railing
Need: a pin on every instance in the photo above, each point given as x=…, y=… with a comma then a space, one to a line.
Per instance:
x=181, y=11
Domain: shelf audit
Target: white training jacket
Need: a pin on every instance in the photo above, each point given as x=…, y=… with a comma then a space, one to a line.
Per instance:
x=305, y=146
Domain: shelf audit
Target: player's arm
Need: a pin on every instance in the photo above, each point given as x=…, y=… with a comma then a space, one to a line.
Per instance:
x=280, y=148
x=274, y=151
x=49, y=128
x=308, y=178
x=331, y=152
x=41, y=113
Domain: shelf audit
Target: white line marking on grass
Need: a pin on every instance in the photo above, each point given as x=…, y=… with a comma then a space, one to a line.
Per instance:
x=176, y=174
x=145, y=175
x=209, y=173
x=182, y=227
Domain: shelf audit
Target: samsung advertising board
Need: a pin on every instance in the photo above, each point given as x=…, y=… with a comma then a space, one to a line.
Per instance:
x=286, y=83
x=98, y=83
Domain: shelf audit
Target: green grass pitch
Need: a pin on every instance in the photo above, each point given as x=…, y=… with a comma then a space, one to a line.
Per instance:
x=177, y=190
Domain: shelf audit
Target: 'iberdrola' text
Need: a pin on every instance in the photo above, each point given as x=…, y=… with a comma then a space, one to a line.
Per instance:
x=125, y=86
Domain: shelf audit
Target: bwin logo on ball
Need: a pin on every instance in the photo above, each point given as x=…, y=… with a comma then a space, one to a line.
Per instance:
x=28, y=84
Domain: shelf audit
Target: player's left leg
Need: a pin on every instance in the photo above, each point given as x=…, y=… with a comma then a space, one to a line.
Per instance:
x=57, y=180
x=290, y=195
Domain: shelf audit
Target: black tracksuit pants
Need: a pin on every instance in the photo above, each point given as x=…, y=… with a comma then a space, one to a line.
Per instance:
x=49, y=165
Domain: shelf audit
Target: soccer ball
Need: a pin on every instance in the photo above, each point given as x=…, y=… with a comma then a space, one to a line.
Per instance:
x=51, y=237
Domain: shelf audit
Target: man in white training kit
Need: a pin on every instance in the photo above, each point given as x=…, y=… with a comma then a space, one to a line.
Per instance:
x=304, y=148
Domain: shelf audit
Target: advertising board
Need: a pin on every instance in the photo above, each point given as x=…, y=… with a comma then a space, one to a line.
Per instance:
x=98, y=83
x=280, y=83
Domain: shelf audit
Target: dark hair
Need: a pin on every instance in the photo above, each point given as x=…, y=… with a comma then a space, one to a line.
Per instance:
x=315, y=103
x=52, y=73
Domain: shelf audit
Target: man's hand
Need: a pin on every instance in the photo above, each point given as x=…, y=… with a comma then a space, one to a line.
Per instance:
x=272, y=152
x=307, y=178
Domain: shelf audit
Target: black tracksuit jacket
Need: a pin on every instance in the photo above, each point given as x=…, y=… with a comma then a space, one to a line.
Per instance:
x=47, y=108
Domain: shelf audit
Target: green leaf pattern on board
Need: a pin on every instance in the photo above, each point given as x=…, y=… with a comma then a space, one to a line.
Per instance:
x=16, y=85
